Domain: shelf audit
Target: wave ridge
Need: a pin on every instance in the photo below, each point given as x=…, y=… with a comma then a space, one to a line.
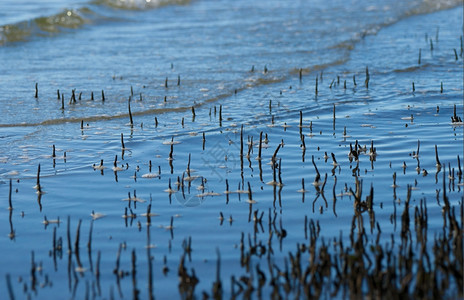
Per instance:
x=140, y=4
x=66, y=19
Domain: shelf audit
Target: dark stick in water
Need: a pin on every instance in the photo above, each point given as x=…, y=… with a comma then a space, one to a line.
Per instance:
x=10, y=207
x=130, y=113
x=260, y=145
x=220, y=115
x=366, y=82
x=204, y=140
x=436, y=157
x=122, y=141
x=38, y=180
x=316, y=92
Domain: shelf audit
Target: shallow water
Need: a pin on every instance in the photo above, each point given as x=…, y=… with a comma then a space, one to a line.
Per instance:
x=220, y=52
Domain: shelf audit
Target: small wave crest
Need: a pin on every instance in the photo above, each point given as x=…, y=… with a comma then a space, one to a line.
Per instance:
x=428, y=6
x=67, y=19
x=420, y=7
x=72, y=19
x=139, y=4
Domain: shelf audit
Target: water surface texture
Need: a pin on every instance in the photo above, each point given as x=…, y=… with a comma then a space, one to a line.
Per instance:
x=231, y=148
